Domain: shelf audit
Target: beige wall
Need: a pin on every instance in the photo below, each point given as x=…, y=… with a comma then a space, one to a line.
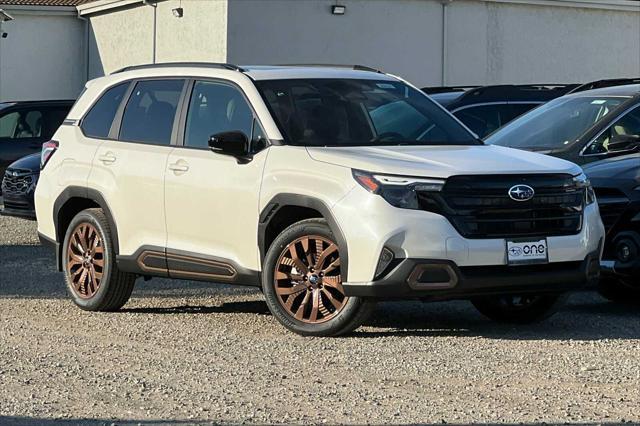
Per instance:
x=125, y=37
x=119, y=39
x=200, y=35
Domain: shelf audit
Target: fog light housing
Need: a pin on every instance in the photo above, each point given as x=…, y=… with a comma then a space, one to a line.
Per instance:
x=386, y=257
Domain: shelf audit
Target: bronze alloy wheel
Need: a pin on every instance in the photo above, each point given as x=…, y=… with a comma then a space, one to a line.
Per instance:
x=85, y=260
x=307, y=280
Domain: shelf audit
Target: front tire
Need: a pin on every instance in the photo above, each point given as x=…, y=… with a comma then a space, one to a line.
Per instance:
x=302, y=283
x=93, y=279
x=519, y=309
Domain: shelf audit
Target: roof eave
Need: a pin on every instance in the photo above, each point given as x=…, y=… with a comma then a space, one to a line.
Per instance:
x=107, y=5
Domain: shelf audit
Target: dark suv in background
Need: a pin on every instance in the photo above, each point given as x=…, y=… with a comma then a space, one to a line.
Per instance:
x=485, y=109
x=600, y=130
x=24, y=127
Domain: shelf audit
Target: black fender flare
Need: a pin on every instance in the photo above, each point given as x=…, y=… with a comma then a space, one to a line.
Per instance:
x=284, y=200
x=87, y=194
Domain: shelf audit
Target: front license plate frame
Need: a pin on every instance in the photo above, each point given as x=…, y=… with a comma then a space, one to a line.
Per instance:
x=529, y=251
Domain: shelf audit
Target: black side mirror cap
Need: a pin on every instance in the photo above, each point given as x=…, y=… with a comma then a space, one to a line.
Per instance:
x=234, y=143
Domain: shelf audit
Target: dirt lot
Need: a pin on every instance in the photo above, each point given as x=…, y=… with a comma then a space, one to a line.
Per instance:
x=193, y=353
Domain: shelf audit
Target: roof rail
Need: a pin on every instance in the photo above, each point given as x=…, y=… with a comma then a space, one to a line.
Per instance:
x=514, y=93
x=353, y=67
x=180, y=64
x=605, y=83
x=432, y=90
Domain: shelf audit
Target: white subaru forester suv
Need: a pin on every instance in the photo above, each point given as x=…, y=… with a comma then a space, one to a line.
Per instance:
x=328, y=187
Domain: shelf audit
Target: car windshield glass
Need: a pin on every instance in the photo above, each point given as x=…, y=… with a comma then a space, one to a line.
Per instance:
x=556, y=124
x=351, y=112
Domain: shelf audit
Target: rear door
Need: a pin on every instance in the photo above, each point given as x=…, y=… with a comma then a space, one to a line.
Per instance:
x=129, y=168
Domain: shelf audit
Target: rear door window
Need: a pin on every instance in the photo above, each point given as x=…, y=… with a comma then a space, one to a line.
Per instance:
x=150, y=112
x=97, y=122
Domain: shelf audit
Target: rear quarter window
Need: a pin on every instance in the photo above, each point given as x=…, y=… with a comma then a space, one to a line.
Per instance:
x=97, y=122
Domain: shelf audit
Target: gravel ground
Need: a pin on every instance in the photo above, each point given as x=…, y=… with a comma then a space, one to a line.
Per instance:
x=184, y=352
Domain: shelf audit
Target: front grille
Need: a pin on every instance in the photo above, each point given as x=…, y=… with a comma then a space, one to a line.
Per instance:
x=19, y=181
x=480, y=206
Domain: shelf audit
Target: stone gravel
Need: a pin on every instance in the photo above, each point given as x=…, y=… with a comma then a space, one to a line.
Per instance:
x=194, y=353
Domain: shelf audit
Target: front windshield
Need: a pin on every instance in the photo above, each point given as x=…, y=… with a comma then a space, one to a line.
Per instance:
x=556, y=124
x=350, y=112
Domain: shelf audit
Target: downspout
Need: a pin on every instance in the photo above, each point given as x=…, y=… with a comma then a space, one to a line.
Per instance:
x=155, y=21
x=86, y=46
x=445, y=42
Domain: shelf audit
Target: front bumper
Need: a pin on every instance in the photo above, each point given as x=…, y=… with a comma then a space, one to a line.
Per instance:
x=370, y=224
x=444, y=280
x=19, y=206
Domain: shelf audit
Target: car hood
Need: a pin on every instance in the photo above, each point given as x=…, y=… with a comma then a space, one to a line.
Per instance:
x=625, y=167
x=442, y=161
x=30, y=162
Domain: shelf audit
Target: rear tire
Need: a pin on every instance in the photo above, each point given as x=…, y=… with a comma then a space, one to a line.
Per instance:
x=524, y=309
x=302, y=283
x=93, y=279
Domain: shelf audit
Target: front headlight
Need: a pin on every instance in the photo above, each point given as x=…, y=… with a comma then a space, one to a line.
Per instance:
x=582, y=181
x=399, y=191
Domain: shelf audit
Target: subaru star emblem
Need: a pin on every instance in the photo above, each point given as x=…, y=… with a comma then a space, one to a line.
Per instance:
x=14, y=174
x=521, y=192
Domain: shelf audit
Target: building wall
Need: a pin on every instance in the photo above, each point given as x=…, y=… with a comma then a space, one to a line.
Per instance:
x=42, y=57
x=123, y=37
x=487, y=42
x=493, y=43
x=399, y=36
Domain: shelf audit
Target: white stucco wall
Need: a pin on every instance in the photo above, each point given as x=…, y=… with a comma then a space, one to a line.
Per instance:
x=125, y=36
x=42, y=57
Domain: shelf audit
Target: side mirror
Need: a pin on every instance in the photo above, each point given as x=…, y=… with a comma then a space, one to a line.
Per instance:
x=234, y=143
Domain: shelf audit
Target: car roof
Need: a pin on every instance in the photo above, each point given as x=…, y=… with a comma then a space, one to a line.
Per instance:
x=445, y=98
x=628, y=90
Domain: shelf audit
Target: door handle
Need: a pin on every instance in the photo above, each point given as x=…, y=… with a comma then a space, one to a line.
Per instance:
x=179, y=167
x=107, y=158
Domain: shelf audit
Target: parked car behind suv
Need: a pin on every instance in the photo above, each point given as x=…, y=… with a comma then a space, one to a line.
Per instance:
x=617, y=185
x=329, y=188
x=586, y=127
x=25, y=125
x=581, y=127
x=19, y=187
x=484, y=109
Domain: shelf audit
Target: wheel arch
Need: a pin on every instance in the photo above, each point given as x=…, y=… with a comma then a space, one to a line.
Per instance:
x=284, y=210
x=72, y=201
